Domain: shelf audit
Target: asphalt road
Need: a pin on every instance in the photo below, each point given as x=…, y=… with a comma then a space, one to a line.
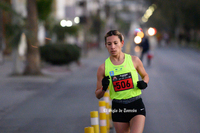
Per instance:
x=171, y=99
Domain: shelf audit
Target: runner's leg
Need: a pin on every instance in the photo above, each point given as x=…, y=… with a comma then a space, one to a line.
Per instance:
x=121, y=127
x=137, y=124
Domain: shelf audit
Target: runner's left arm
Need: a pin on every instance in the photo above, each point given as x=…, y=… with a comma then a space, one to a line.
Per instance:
x=140, y=69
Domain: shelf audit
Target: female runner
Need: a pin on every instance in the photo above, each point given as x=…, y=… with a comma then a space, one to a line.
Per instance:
x=120, y=72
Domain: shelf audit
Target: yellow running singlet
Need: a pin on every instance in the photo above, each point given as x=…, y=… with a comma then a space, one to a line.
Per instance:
x=123, y=79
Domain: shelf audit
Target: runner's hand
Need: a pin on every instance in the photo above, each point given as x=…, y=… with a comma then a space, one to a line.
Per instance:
x=141, y=84
x=105, y=83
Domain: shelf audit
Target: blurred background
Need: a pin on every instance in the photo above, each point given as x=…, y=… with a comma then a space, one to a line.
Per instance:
x=84, y=23
x=42, y=37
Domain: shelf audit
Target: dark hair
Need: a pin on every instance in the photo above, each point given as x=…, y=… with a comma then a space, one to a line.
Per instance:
x=115, y=33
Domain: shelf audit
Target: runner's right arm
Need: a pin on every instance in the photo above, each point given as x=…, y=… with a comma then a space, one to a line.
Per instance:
x=100, y=75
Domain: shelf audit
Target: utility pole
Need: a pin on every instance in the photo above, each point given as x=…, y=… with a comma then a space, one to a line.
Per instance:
x=99, y=26
x=1, y=37
x=15, y=53
x=84, y=22
x=1, y=30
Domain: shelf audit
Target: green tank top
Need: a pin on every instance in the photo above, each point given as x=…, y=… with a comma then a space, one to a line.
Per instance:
x=123, y=79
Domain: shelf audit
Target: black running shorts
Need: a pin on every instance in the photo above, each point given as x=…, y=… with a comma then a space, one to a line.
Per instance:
x=125, y=112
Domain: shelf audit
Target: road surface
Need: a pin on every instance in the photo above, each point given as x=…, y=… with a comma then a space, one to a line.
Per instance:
x=172, y=98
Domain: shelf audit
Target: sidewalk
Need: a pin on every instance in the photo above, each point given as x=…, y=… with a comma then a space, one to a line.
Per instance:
x=17, y=89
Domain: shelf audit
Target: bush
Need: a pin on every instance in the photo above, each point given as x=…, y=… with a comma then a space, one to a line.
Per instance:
x=61, y=32
x=60, y=54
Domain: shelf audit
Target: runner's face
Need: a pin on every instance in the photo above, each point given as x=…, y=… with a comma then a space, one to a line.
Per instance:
x=114, y=45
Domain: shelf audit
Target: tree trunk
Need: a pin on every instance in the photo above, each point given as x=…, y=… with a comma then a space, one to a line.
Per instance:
x=1, y=38
x=16, y=62
x=1, y=31
x=6, y=20
x=33, y=56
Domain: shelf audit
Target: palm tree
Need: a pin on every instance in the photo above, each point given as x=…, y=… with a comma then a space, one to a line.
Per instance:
x=33, y=56
x=37, y=9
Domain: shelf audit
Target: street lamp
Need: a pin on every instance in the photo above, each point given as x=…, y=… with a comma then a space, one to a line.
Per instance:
x=151, y=31
x=137, y=39
x=69, y=23
x=63, y=23
x=77, y=20
x=66, y=23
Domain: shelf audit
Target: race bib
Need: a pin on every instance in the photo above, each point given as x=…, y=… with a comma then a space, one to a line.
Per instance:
x=122, y=82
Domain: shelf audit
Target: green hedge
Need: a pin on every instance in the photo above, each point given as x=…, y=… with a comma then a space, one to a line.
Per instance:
x=60, y=54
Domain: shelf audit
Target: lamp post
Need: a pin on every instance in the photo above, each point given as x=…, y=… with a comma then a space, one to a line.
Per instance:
x=1, y=37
